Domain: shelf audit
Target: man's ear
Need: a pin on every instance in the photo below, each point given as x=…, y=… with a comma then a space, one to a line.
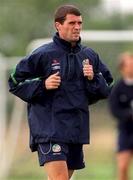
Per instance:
x=57, y=26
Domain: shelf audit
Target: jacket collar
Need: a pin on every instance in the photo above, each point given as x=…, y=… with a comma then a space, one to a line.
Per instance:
x=67, y=45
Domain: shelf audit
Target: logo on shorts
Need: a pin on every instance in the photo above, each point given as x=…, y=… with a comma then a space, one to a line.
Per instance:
x=56, y=148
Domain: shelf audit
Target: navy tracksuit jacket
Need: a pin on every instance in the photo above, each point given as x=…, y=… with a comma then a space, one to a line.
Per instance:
x=60, y=115
x=121, y=102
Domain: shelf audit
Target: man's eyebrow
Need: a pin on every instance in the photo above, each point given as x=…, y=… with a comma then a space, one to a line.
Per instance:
x=75, y=21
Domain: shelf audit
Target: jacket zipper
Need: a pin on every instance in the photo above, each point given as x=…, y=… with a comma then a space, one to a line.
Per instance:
x=69, y=64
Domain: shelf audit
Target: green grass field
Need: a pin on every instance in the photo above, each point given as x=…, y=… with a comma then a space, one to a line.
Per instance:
x=99, y=166
x=99, y=155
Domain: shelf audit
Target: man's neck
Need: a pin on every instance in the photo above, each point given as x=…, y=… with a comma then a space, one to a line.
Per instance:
x=128, y=81
x=73, y=44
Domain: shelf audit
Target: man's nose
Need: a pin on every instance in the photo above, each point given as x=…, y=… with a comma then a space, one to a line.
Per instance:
x=77, y=26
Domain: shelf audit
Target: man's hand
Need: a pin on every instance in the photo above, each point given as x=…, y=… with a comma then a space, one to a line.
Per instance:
x=88, y=70
x=53, y=81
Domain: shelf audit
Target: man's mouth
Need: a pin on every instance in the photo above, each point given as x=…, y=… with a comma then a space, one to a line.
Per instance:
x=76, y=33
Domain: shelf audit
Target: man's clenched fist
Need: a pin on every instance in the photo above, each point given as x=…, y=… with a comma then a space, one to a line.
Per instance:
x=53, y=81
x=88, y=70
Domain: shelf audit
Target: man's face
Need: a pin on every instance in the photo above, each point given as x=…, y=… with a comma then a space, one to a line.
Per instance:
x=70, y=29
x=127, y=69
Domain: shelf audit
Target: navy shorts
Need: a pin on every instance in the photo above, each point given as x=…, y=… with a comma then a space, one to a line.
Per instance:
x=125, y=141
x=71, y=153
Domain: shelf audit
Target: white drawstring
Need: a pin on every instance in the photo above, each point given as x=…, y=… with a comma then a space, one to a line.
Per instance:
x=47, y=151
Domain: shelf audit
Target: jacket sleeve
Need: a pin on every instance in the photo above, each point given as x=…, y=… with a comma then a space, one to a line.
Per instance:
x=97, y=89
x=118, y=111
x=101, y=86
x=26, y=81
x=102, y=68
x=98, y=65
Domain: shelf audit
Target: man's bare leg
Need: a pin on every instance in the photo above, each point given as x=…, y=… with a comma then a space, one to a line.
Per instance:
x=70, y=173
x=57, y=170
x=123, y=163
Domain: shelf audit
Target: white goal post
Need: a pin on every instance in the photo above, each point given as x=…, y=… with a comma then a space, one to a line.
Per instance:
x=92, y=36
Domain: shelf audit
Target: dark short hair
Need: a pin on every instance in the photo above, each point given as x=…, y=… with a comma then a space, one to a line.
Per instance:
x=62, y=11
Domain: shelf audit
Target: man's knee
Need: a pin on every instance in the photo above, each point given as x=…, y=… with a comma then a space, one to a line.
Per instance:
x=124, y=160
x=57, y=170
x=70, y=173
x=59, y=176
x=123, y=167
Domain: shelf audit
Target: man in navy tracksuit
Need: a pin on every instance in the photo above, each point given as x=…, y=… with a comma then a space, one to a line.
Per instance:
x=121, y=104
x=58, y=81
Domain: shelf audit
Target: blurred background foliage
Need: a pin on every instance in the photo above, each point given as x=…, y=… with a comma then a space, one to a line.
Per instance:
x=24, y=20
